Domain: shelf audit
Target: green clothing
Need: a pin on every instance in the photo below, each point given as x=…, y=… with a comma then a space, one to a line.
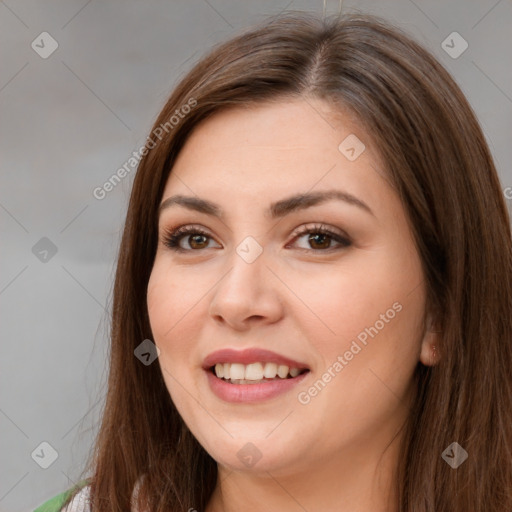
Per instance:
x=55, y=504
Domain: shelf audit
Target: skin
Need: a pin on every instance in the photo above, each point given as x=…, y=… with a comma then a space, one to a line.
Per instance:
x=339, y=451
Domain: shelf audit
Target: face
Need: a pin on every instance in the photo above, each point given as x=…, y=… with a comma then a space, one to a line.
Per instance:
x=334, y=285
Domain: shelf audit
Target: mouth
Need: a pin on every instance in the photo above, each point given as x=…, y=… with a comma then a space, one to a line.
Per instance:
x=254, y=387
x=252, y=375
x=255, y=373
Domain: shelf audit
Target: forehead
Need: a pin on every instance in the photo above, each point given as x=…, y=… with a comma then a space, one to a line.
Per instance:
x=275, y=149
x=291, y=127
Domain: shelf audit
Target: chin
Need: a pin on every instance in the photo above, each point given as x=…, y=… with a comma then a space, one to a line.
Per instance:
x=249, y=454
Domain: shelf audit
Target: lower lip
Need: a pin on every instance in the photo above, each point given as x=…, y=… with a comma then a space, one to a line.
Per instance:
x=251, y=392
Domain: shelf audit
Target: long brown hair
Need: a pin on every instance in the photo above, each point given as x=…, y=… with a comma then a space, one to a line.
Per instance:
x=438, y=161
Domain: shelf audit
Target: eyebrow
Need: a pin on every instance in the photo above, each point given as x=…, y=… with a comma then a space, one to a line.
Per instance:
x=276, y=210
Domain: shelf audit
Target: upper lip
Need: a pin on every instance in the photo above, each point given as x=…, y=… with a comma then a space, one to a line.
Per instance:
x=249, y=355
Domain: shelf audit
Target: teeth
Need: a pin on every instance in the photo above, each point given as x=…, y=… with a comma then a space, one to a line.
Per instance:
x=237, y=371
x=270, y=370
x=254, y=371
x=219, y=370
x=282, y=371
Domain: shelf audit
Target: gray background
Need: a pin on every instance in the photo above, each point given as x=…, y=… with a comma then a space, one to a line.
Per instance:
x=69, y=121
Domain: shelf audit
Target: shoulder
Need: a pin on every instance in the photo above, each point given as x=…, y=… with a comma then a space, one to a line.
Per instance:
x=79, y=503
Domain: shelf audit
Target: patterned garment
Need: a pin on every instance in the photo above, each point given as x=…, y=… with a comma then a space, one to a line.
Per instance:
x=79, y=503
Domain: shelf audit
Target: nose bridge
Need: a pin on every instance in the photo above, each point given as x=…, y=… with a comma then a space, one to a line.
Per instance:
x=245, y=290
x=247, y=267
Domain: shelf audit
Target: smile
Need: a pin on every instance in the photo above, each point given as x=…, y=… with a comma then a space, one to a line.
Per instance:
x=237, y=373
x=253, y=390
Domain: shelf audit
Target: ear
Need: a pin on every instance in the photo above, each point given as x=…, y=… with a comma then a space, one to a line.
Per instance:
x=430, y=345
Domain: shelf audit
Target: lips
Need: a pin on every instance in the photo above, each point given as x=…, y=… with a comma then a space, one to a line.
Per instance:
x=240, y=391
x=248, y=356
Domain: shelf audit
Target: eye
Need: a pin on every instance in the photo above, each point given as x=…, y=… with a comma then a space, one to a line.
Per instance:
x=197, y=238
x=320, y=238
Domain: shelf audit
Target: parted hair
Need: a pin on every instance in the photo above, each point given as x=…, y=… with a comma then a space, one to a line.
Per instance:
x=437, y=159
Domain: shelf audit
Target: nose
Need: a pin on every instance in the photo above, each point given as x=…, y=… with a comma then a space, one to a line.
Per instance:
x=247, y=294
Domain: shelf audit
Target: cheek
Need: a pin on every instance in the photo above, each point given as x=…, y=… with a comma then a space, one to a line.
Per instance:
x=369, y=309
x=173, y=304
x=369, y=294
x=173, y=297
x=375, y=312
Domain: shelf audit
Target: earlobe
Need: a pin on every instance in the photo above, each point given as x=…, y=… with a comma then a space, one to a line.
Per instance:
x=429, y=354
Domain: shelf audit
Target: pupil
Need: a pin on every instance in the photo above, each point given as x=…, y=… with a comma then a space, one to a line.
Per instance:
x=193, y=237
x=312, y=237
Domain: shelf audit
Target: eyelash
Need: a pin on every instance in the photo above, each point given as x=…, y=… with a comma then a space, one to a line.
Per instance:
x=172, y=238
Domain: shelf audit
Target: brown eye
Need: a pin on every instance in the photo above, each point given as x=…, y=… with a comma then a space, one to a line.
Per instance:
x=323, y=241
x=196, y=237
x=195, y=241
x=320, y=239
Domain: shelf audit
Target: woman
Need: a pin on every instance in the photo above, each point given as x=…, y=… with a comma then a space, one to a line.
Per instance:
x=312, y=306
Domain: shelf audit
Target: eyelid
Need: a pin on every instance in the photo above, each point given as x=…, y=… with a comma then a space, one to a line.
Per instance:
x=318, y=227
x=182, y=231
x=179, y=232
x=338, y=236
